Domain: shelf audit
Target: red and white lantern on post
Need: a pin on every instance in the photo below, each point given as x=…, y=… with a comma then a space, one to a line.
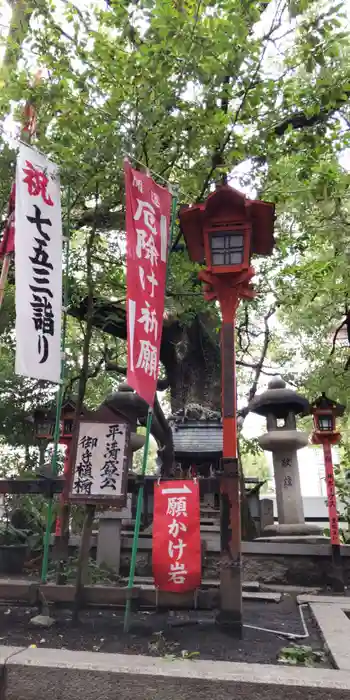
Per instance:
x=325, y=433
x=223, y=233
x=44, y=425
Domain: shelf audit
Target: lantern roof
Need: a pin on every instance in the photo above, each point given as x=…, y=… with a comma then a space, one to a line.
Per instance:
x=220, y=205
x=49, y=411
x=323, y=403
x=279, y=401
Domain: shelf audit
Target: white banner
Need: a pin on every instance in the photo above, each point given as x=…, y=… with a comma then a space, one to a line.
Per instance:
x=38, y=267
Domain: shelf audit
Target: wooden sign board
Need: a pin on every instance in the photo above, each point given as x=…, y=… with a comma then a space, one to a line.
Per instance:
x=99, y=460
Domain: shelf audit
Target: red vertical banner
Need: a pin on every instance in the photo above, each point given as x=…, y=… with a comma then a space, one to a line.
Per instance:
x=148, y=207
x=176, y=551
x=331, y=497
x=7, y=243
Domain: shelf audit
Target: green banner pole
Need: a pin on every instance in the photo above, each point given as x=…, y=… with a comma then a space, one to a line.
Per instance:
x=137, y=521
x=54, y=465
x=144, y=463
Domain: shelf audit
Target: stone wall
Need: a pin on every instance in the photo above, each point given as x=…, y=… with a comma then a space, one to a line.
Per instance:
x=286, y=564
x=296, y=564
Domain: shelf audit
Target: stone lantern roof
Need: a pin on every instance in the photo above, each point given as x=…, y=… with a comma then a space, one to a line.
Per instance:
x=279, y=401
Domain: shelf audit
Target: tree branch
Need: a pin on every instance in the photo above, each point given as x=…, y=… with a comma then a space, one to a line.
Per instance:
x=259, y=365
x=217, y=157
x=103, y=218
x=334, y=340
x=90, y=375
x=162, y=384
x=301, y=121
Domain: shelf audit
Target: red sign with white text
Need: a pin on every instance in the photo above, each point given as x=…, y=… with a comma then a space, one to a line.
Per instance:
x=7, y=243
x=147, y=231
x=331, y=497
x=176, y=554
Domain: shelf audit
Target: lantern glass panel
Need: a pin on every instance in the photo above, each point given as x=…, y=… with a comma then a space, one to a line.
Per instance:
x=44, y=429
x=227, y=248
x=67, y=426
x=325, y=422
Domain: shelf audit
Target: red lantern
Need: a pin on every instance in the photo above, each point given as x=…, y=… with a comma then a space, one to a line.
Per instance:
x=223, y=233
x=325, y=412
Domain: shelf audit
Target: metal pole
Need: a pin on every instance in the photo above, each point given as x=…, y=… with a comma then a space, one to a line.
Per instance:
x=230, y=616
x=54, y=465
x=338, y=577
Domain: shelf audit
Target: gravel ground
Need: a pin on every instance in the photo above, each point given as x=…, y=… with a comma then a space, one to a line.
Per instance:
x=168, y=634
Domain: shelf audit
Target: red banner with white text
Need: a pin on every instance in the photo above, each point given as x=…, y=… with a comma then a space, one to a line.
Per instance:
x=7, y=243
x=176, y=552
x=331, y=497
x=148, y=207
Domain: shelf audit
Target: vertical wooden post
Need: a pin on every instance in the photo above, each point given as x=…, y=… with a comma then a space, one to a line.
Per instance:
x=83, y=560
x=61, y=546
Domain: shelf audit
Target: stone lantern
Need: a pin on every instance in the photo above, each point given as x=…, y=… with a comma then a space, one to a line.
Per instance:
x=280, y=406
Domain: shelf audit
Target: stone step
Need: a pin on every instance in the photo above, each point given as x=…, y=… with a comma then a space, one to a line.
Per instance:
x=249, y=586
x=262, y=596
x=324, y=599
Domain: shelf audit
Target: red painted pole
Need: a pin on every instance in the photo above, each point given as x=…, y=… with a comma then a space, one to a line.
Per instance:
x=230, y=615
x=338, y=579
x=58, y=527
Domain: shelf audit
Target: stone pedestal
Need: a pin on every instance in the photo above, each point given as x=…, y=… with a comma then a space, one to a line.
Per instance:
x=266, y=513
x=109, y=536
x=284, y=444
x=288, y=492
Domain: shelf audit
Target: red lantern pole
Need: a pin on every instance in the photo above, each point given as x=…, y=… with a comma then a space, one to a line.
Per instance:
x=67, y=443
x=230, y=509
x=324, y=412
x=229, y=293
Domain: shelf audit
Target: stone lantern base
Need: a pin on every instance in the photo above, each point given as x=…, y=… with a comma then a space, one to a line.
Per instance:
x=296, y=532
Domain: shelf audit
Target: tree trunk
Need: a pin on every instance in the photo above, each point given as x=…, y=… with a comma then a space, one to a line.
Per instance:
x=22, y=11
x=191, y=356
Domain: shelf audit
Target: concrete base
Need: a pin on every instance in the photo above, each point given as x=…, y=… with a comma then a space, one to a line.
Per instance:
x=295, y=539
x=109, y=540
x=291, y=530
x=39, y=674
x=334, y=625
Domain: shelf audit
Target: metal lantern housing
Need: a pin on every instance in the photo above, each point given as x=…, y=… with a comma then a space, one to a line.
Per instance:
x=44, y=425
x=324, y=422
x=227, y=229
x=44, y=422
x=325, y=412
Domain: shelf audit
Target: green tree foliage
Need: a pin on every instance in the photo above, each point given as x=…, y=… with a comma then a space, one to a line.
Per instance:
x=192, y=90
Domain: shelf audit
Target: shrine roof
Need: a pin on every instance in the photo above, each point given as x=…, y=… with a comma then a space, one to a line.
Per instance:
x=197, y=438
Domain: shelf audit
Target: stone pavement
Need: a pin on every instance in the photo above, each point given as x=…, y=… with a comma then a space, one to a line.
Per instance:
x=332, y=615
x=39, y=674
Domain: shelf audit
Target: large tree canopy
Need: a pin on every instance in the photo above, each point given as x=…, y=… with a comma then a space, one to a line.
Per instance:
x=194, y=89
